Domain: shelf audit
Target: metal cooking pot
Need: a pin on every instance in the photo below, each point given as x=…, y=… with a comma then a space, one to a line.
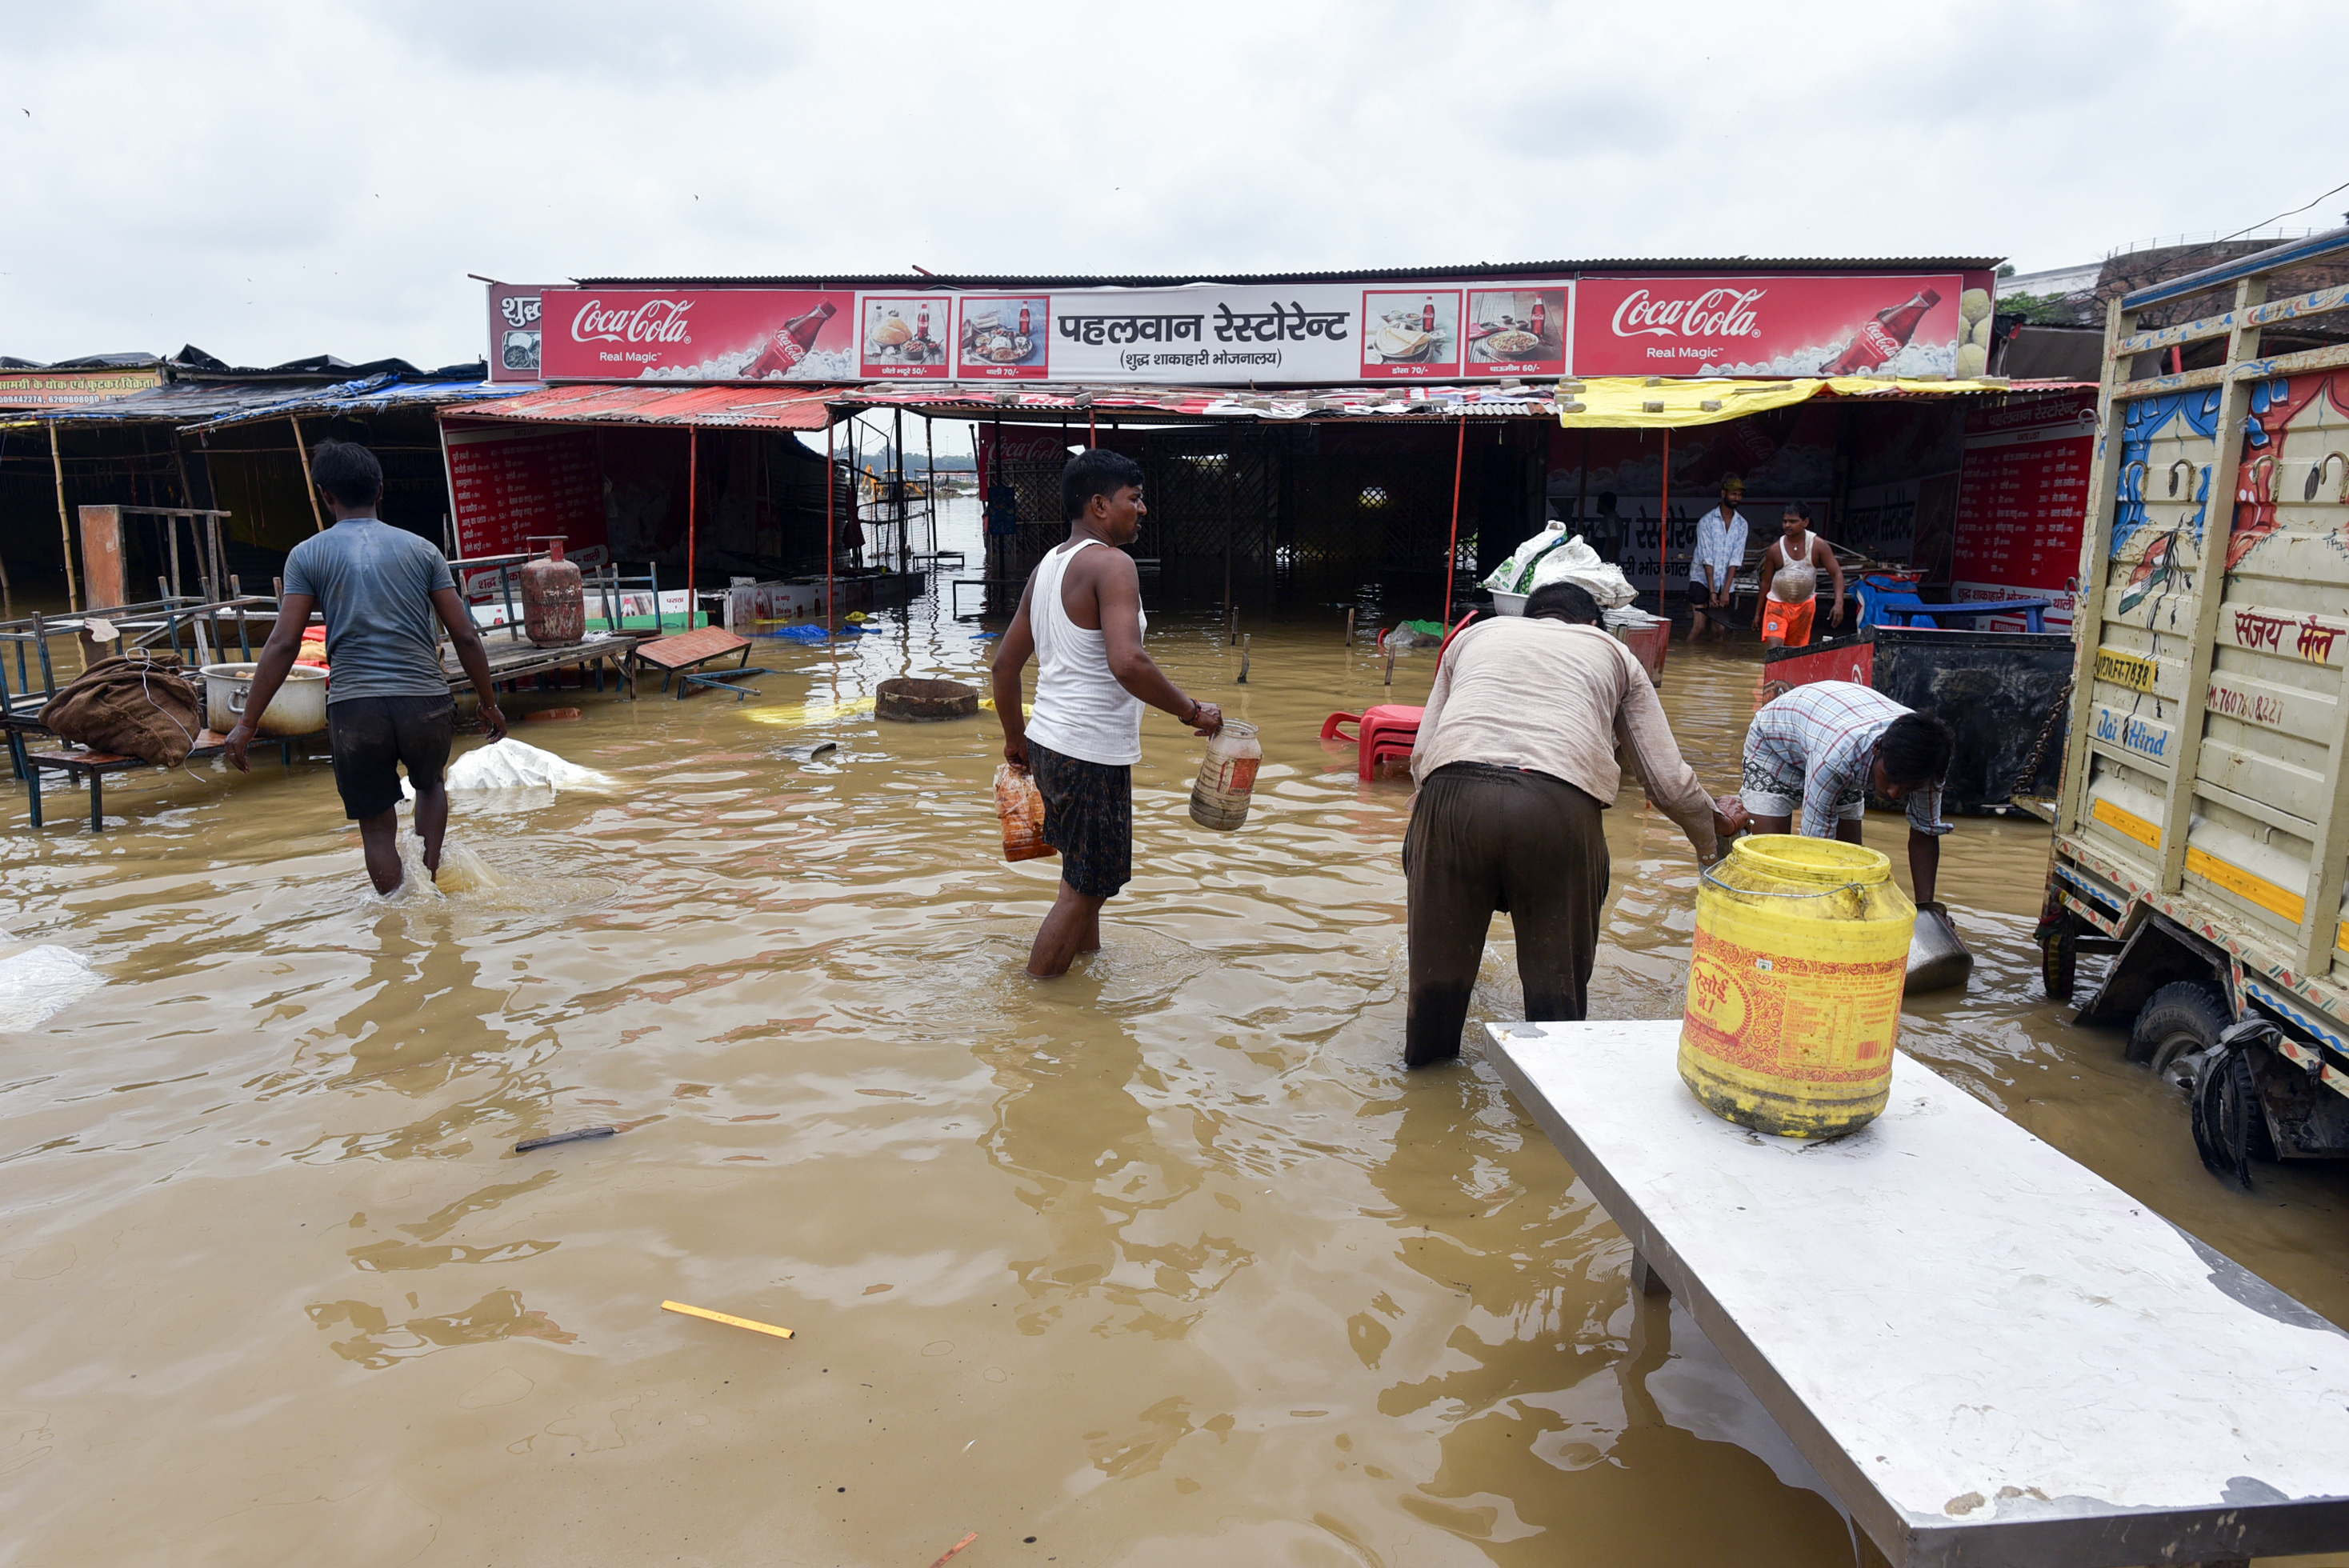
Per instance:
x=298, y=708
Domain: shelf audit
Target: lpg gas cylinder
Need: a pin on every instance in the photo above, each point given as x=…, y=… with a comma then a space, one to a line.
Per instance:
x=1793, y=997
x=553, y=598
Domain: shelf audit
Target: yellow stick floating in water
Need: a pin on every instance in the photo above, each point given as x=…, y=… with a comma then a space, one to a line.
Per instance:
x=726, y=1317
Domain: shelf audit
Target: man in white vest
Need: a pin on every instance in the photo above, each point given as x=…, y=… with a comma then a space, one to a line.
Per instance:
x=1080, y=616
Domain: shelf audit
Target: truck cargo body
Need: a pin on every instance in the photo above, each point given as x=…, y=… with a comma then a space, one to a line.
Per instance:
x=2202, y=829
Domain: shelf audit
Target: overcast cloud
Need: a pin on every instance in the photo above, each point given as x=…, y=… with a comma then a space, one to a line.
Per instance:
x=268, y=180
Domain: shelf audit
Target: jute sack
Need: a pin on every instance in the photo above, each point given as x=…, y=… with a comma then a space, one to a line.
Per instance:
x=140, y=705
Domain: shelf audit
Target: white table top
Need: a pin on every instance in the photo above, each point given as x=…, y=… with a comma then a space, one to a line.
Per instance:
x=1991, y=1354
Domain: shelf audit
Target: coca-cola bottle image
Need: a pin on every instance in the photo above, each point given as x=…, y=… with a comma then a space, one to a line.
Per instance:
x=1541, y=318
x=791, y=344
x=1427, y=316
x=922, y=325
x=1878, y=340
x=1023, y=321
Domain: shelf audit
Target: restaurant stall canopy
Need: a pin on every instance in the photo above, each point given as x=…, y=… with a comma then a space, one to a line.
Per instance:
x=205, y=434
x=1345, y=425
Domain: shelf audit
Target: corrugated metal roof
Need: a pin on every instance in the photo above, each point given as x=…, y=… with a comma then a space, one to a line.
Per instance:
x=182, y=402
x=370, y=392
x=1006, y=280
x=768, y=407
x=1073, y=405
x=212, y=405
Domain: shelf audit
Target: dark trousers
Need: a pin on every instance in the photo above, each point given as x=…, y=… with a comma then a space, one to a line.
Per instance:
x=1485, y=839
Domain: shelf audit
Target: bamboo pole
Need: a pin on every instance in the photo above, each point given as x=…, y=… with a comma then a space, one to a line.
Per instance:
x=64, y=528
x=1665, y=527
x=318, y=516
x=830, y=526
x=1451, y=551
x=692, y=513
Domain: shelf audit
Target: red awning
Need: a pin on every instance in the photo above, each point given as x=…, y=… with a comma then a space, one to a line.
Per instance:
x=771, y=407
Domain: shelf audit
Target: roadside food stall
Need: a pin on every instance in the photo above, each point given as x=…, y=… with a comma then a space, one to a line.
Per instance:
x=1304, y=432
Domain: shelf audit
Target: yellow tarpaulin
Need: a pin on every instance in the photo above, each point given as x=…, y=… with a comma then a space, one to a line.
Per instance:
x=1628, y=402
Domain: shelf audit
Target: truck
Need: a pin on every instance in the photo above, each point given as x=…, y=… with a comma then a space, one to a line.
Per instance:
x=2202, y=827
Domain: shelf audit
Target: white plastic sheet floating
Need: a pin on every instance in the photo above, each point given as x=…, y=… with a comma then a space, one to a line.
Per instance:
x=36, y=982
x=510, y=765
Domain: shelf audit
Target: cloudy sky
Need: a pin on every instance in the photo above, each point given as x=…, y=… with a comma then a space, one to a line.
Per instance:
x=268, y=181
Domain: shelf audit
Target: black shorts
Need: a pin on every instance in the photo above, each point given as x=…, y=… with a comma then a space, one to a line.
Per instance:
x=372, y=736
x=1089, y=818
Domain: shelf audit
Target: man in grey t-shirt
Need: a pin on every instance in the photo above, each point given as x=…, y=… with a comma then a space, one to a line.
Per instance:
x=388, y=702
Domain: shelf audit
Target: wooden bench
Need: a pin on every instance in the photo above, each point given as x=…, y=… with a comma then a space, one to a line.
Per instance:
x=1987, y=1353
x=79, y=763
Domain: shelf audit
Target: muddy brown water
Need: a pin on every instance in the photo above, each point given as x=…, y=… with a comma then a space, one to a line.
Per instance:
x=1165, y=1263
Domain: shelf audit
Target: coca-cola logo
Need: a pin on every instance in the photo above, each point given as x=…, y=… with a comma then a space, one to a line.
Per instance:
x=1716, y=313
x=655, y=320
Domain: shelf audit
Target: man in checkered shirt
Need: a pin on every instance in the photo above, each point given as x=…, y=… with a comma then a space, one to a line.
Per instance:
x=1823, y=747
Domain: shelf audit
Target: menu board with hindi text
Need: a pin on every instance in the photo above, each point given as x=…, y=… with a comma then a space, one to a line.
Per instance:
x=2022, y=496
x=508, y=486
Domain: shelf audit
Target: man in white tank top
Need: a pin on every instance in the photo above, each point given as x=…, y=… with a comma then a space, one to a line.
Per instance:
x=1081, y=617
x=1791, y=566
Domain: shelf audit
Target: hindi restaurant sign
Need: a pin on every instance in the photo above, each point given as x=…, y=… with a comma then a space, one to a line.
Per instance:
x=1328, y=333
x=1316, y=333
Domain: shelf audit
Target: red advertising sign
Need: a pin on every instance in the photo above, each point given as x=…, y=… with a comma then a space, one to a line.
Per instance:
x=1007, y=337
x=507, y=486
x=2022, y=497
x=905, y=337
x=1516, y=331
x=1410, y=332
x=699, y=335
x=1768, y=325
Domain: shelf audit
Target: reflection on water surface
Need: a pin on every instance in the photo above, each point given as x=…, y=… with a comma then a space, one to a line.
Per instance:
x=1165, y=1263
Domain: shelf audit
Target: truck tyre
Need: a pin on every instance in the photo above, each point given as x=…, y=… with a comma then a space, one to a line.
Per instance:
x=2180, y=1018
x=2059, y=954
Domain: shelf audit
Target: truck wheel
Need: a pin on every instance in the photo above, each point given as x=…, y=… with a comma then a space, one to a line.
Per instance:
x=2059, y=955
x=2180, y=1018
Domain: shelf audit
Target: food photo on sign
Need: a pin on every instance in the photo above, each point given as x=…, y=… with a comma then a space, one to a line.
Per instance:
x=1007, y=337
x=1517, y=332
x=905, y=336
x=1410, y=332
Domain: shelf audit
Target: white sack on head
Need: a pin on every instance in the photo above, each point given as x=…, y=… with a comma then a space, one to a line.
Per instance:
x=1514, y=574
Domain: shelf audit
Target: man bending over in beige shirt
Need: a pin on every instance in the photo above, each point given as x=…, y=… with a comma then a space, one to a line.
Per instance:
x=1515, y=759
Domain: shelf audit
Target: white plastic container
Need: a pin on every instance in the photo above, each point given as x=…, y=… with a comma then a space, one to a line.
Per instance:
x=1226, y=777
x=1509, y=603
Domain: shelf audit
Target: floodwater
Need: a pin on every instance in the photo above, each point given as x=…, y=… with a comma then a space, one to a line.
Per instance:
x=1165, y=1263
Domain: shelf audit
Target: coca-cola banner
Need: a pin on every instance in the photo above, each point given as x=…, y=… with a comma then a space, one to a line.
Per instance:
x=699, y=335
x=1806, y=326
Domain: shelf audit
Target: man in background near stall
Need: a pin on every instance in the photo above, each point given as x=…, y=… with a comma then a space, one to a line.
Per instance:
x=1823, y=747
x=388, y=702
x=1720, y=556
x=1605, y=533
x=1081, y=615
x=1517, y=756
x=1790, y=574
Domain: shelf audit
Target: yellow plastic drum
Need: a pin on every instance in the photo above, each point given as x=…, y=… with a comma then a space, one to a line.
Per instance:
x=1793, y=999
